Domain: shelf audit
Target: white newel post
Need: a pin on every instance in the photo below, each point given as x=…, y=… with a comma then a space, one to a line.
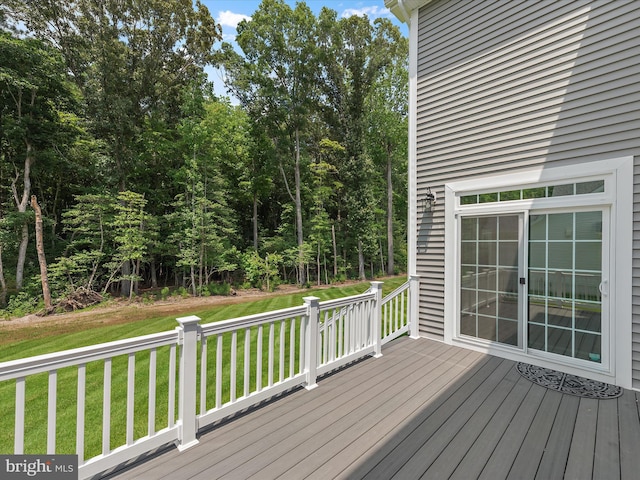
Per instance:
x=376, y=319
x=187, y=385
x=311, y=340
x=414, y=294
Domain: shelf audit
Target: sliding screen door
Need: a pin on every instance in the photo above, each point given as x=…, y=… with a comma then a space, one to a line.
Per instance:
x=566, y=284
x=489, y=272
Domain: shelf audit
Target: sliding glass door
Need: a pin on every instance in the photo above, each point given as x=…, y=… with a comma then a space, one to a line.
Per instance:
x=490, y=268
x=535, y=280
x=566, y=284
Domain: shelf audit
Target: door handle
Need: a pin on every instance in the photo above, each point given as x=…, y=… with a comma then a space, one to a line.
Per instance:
x=604, y=287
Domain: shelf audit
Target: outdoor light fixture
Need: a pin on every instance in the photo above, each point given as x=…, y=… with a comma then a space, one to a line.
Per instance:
x=429, y=200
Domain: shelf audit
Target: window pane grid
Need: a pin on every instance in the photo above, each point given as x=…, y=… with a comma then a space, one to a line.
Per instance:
x=564, y=307
x=487, y=292
x=549, y=191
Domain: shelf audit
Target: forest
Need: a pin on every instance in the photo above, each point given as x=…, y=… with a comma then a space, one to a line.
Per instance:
x=121, y=171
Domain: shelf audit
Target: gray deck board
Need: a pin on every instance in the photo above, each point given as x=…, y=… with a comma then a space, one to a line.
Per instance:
x=629, y=435
x=482, y=448
x=423, y=410
x=556, y=452
x=606, y=461
x=303, y=439
x=509, y=445
x=246, y=433
x=446, y=462
x=584, y=440
x=287, y=435
x=355, y=435
x=528, y=459
x=428, y=422
x=383, y=430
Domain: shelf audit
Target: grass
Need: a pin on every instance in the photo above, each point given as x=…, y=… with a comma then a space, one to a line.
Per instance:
x=48, y=340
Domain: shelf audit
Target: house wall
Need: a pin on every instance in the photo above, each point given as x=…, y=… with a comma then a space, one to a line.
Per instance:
x=504, y=85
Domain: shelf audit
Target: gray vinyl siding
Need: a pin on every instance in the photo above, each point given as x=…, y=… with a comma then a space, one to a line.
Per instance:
x=510, y=84
x=636, y=275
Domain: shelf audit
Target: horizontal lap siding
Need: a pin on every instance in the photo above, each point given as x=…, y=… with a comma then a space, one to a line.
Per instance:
x=635, y=333
x=506, y=85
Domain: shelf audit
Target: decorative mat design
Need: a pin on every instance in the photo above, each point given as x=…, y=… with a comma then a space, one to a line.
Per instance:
x=565, y=383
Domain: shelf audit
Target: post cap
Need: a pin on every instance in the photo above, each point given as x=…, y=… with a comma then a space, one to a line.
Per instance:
x=188, y=320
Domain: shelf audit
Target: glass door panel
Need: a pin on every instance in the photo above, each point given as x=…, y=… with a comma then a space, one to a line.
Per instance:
x=565, y=273
x=489, y=272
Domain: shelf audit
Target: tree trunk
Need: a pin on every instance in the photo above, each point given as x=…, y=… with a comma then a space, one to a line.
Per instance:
x=361, y=273
x=21, y=204
x=131, y=285
x=154, y=274
x=200, y=269
x=136, y=282
x=193, y=280
x=318, y=264
x=298, y=202
x=255, y=221
x=390, y=264
x=326, y=272
x=46, y=293
x=335, y=251
x=3, y=282
x=125, y=283
x=22, y=255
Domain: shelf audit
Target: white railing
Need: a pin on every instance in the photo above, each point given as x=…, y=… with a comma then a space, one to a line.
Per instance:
x=224, y=367
x=88, y=369
x=395, y=313
x=250, y=359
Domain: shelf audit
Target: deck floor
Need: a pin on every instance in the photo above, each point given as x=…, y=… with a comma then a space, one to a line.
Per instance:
x=423, y=410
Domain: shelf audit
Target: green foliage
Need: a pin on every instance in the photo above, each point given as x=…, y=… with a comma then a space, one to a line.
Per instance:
x=262, y=272
x=23, y=303
x=89, y=226
x=147, y=180
x=219, y=288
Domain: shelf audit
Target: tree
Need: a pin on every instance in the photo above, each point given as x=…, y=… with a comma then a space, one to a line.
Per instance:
x=205, y=229
x=130, y=227
x=353, y=55
x=103, y=97
x=386, y=136
x=90, y=245
x=33, y=92
x=130, y=60
x=325, y=186
x=42, y=259
x=275, y=82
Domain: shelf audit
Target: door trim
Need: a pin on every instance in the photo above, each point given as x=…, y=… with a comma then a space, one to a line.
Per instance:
x=618, y=195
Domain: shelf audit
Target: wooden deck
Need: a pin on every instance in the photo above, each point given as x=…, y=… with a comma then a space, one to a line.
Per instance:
x=423, y=410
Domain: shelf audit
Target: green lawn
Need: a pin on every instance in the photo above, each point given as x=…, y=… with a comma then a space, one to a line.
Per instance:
x=36, y=386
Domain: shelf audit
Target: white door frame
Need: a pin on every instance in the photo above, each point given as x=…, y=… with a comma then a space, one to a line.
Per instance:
x=618, y=195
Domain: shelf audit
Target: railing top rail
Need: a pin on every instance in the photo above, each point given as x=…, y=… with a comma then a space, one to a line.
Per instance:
x=252, y=320
x=396, y=292
x=79, y=356
x=345, y=301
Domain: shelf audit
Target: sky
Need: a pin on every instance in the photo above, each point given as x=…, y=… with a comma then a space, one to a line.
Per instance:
x=228, y=13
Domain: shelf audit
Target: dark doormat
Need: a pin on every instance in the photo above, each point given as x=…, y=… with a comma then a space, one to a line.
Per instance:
x=565, y=383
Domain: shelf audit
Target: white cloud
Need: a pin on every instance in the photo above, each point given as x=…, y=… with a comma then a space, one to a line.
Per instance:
x=373, y=11
x=230, y=19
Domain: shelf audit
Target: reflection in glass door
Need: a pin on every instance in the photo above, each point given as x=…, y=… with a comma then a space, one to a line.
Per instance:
x=565, y=277
x=489, y=272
